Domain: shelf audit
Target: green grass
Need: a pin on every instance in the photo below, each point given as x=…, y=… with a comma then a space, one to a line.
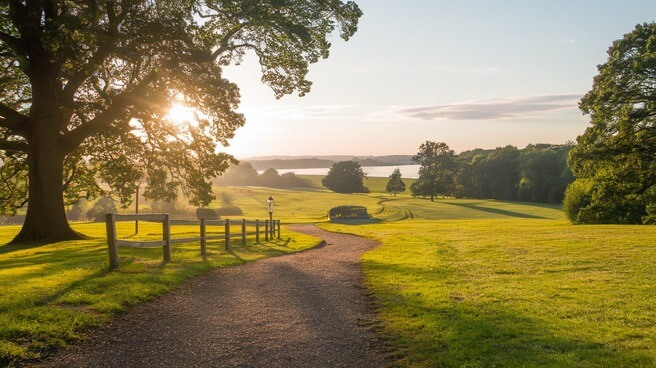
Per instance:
x=51, y=294
x=294, y=205
x=515, y=291
x=461, y=283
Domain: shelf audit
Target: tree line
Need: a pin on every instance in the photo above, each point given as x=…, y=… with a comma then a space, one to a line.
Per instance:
x=245, y=174
x=537, y=173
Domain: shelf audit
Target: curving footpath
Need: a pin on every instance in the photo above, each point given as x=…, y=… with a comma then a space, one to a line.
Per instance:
x=308, y=309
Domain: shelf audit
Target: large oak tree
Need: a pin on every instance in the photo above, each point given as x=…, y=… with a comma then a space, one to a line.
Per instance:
x=614, y=161
x=85, y=87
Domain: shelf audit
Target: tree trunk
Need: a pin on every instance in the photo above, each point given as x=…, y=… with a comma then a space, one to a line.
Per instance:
x=46, y=215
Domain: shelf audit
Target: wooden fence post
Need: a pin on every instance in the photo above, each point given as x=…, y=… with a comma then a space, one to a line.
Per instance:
x=203, y=248
x=273, y=229
x=257, y=231
x=278, y=229
x=227, y=234
x=111, y=241
x=243, y=231
x=266, y=230
x=166, y=234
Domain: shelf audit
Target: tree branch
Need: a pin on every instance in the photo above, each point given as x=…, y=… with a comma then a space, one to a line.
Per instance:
x=98, y=58
x=13, y=146
x=121, y=102
x=14, y=43
x=70, y=178
x=226, y=39
x=11, y=119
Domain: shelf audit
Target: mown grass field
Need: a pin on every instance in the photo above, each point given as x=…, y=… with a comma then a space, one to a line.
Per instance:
x=460, y=283
x=301, y=205
x=482, y=284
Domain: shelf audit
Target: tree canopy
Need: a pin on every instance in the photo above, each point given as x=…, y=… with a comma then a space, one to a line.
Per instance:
x=86, y=87
x=437, y=171
x=345, y=177
x=395, y=184
x=614, y=162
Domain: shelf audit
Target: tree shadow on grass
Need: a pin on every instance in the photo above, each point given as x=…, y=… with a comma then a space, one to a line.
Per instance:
x=13, y=247
x=497, y=211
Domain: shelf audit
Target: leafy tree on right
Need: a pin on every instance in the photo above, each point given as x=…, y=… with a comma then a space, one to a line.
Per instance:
x=614, y=162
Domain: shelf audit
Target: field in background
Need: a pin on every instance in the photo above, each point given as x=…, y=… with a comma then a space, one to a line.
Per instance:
x=460, y=282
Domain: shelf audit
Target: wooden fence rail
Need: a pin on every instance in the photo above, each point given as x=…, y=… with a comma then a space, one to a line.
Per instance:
x=229, y=226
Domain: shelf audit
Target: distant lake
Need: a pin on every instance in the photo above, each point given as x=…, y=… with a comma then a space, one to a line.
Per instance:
x=407, y=171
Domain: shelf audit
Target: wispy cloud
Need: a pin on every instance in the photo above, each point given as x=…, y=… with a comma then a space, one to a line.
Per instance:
x=457, y=69
x=299, y=112
x=571, y=40
x=503, y=108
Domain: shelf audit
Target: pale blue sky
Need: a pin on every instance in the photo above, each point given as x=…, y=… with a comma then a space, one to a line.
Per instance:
x=468, y=73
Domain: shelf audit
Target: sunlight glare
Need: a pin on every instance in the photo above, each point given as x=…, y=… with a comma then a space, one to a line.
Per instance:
x=180, y=114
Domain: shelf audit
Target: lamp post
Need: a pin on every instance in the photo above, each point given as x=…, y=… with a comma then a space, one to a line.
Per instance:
x=270, y=203
x=136, y=207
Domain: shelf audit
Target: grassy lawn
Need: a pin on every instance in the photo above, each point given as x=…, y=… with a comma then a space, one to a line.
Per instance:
x=496, y=287
x=461, y=283
x=300, y=205
x=51, y=294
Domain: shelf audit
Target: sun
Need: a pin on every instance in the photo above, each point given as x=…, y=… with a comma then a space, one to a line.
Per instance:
x=180, y=114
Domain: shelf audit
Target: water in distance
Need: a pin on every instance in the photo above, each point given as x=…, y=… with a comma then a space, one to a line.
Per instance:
x=407, y=171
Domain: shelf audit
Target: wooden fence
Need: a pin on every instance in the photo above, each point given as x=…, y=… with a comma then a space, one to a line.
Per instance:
x=267, y=228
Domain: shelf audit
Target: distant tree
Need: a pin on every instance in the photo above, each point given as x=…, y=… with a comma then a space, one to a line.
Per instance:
x=615, y=159
x=498, y=173
x=244, y=174
x=345, y=177
x=78, y=211
x=102, y=206
x=395, y=184
x=437, y=171
x=269, y=178
x=241, y=174
x=544, y=174
x=291, y=180
x=470, y=181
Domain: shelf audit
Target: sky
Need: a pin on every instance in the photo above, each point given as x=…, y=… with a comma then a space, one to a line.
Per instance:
x=473, y=74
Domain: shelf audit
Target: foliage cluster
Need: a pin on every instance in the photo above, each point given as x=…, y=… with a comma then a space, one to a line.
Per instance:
x=345, y=177
x=395, y=184
x=537, y=173
x=244, y=174
x=437, y=171
x=614, y=161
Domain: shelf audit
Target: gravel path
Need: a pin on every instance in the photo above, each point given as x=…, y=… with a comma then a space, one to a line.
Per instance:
x=308, y=309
